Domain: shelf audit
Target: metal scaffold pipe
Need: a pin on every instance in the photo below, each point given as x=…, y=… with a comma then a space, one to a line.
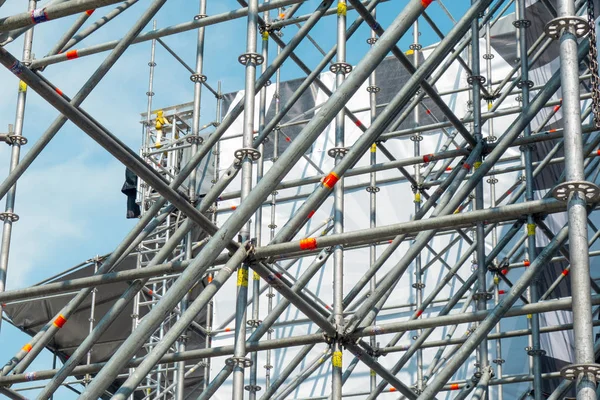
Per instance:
x=572, y=192
x=16, y=140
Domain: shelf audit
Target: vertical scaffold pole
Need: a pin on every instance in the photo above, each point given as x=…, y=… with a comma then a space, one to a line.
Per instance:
x=210, y=307
x=373, y=189
x=197, y=78
x=525, y=85
x=477, y=81
x=492, y=180
x=340, y=68
x=262, y=112
x=273, y=224
x=246, y=155
x=15, y=139
x=416, y=138
x=573, y=192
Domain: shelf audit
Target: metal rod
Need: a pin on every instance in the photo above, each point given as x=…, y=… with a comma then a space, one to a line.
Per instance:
x=580, y=269
x=9, y=216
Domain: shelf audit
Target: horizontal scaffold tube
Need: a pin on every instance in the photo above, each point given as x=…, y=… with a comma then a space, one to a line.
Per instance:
x=363, y=236
x=447, y=320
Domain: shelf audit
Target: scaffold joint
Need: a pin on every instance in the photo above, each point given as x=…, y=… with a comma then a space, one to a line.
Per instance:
x=9, y=216
x=577, y=25
x=589, y=190
x=573, y=371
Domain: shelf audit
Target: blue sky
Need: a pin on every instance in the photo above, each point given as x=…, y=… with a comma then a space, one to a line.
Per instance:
x=69, y=201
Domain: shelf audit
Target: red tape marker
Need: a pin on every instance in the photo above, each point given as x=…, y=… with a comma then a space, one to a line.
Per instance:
x=310, y=214
x=59, y=321
x=308, y=244
x=72, y=54
x=426, y=3
x=330, y=180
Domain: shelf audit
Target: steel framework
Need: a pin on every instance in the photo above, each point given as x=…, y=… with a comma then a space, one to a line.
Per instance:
x=186, y=237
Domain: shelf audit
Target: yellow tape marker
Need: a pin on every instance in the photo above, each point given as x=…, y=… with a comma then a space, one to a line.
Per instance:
x=336, y=359
x=256, y=276
x=476, y=164
x=530, y=229
x=417, y=197
x=529, y=316
x=265, y=35
x=373, y=373
x=22, y=86
x=341, y=9
x=242, y=277
x=373, y=148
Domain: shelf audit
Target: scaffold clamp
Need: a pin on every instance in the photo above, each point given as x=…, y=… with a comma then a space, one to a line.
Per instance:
x=254, y=154
x=12, y=140
x=557, y=26
x=254, y=323
x=254, y=57
x=536, y=352
x=340, y=67
x=194, y=139
x=563, y=191
x=522, y=23
x=522, y=84
x=473, y=78
x=198, y=78
x=239, y=361
x=336, y=152
x=482, y=295
x=572, y=372
x=373, y=89
x=253, y=388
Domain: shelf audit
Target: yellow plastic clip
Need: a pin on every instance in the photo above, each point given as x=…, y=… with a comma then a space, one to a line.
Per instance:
x=529, y=316
x=242, y=277
x=265, y=35
x=336, y=359
x=530, y=229
x=341, y=9
x=22, y=86
x=490, y=105
x=476, y=164
x=496, y=280
x=256, y=276
x=417, y=197
x=373, y=148
x=409, y=52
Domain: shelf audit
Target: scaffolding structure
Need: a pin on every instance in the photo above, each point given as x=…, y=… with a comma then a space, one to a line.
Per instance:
x=207, y=195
